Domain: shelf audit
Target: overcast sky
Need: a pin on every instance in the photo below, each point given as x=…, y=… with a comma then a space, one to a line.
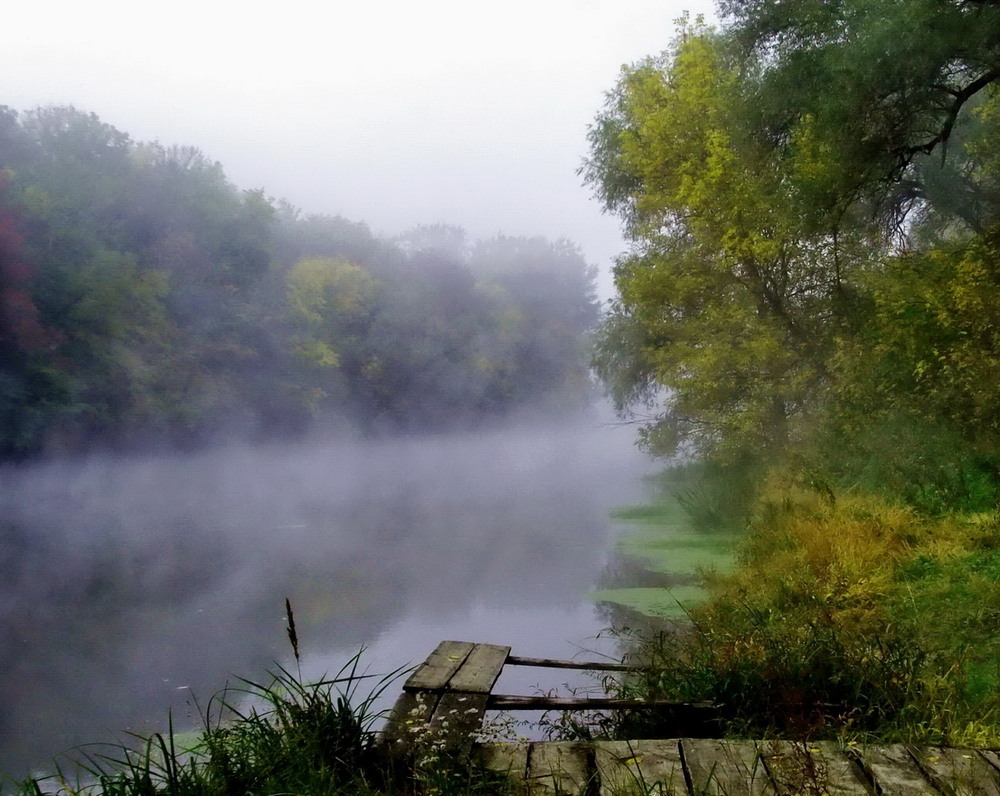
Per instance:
x=393, y=113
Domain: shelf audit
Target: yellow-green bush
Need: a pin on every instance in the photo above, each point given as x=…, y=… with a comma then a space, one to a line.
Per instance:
x=847, y=615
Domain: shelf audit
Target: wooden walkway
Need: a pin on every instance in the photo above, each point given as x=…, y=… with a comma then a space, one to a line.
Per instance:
x=446, y=698
x=692, y=767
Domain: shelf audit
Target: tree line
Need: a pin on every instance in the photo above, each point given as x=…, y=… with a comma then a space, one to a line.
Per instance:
x=811, y=191
x=144, y=299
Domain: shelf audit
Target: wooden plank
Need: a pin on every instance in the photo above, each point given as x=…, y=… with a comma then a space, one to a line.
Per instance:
x=516, y=702
x=843, y=774
x=992, y=757
x=508, y=759
x=819, y=767
x=408, y=719
x=552, y=663
x=558, y=768
x=892, y=769
x=958, y=771
x=480, y=669
x=641, y=767
x=732, y=768
x=457, y=717
x=433, y=674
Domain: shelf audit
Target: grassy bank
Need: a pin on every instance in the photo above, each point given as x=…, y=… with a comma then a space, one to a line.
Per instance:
x=848, y=615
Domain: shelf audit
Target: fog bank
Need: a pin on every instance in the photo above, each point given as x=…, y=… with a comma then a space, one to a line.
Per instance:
x=131, y=583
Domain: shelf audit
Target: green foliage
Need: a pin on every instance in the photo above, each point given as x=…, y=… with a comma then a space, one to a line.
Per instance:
x=730, y=301
x=930, y=346
x=283, y=736
x=328, y=301
x=886, y=82
x=293, y=737
x=144, y=299
x=911, y=410
x=812, y=196
x=848, y=617
x=924, y=464
x=777, y=678
x=768, y=174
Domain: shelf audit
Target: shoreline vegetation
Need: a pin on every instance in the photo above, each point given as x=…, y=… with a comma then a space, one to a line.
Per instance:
x=845, y=615
x=822, y=614
x=808, y=309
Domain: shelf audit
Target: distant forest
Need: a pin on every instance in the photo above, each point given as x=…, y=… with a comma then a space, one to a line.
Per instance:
x=145, y=300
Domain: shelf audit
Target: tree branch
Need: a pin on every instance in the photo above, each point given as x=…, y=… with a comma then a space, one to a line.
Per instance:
x=907, y=153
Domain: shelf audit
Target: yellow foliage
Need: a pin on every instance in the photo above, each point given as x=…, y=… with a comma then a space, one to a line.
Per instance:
x=319, y=287
x=801, y=546
x=728, y=289
x=324, y=295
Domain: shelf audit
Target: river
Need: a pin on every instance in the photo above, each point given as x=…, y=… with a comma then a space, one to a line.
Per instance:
x=133, y=587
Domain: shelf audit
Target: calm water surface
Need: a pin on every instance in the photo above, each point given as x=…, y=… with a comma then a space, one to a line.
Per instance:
x=131, y=587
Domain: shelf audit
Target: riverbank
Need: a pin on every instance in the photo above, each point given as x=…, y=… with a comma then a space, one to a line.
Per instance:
x=280, y=736
x=847, y=616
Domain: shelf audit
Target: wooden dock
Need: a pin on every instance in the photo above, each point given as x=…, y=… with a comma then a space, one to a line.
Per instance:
x=446, y=698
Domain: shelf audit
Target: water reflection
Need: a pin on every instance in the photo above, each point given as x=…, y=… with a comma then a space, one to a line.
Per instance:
x=126, y=586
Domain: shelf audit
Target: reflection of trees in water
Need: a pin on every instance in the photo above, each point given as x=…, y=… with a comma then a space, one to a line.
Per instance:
x=624, y=571
x=627, y=624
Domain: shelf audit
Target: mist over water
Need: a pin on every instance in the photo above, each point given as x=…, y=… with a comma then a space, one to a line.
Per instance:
x=130, y=584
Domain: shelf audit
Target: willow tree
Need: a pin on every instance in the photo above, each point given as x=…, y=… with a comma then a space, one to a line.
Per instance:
x=731, y=295
x=889, y=83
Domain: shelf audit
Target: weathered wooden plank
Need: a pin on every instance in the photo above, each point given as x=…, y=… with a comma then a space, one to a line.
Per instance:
x=552, y=663
x=893, y=770
x=819, y=767
x=508, y=759
x=517, y=702
x=725, y=767
x=844, y=775
x=480, y=669
x=558, y=768
x=992, y=757
x=958, y=771
x=408, y=719
x=706, y=767
x=456, y=720
x=640, y=767
x=433, y=674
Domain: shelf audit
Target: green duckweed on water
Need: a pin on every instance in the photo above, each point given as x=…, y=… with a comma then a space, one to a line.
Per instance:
x=661, y=538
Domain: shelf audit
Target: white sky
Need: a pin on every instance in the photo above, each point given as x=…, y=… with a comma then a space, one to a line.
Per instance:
x=390, y=112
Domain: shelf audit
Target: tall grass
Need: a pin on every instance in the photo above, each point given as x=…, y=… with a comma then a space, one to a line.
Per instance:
x=848, y=616
x=278, y=736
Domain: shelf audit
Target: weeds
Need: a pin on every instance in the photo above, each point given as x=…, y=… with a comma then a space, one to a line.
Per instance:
x=281, y=736
x=294, y=738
